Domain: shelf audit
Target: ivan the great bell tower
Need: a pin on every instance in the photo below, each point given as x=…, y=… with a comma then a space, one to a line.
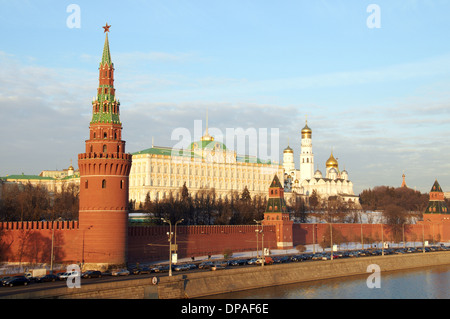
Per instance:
x=104, y=173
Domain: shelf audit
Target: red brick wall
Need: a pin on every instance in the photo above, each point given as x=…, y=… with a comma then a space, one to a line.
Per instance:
x=151, y=242
x=303, y=233
x=31, y=241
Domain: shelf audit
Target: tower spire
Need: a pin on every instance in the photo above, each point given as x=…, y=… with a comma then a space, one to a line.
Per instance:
x=105, y=106
x=106, y=57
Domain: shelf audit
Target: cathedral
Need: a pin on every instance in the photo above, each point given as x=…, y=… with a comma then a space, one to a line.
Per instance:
x=305, y=180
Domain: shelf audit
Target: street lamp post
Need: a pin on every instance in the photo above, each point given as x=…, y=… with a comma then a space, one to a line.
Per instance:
x=331, y=241
x=170, y=244
x=170, y=235
x=314, y=244
x=263, y=258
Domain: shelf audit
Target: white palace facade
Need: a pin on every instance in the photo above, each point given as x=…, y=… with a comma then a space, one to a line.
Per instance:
x=206, y=164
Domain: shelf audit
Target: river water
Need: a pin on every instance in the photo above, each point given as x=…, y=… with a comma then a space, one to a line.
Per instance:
x=423, y=283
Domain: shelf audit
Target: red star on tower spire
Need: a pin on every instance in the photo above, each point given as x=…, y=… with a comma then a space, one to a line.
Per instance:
x=106, y=27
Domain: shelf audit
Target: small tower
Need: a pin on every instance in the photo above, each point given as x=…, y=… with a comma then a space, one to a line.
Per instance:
x=436, y=204
x=437, y=214
x=404, y=181
x=306, y=154
x=104, y=171
x=276, y=214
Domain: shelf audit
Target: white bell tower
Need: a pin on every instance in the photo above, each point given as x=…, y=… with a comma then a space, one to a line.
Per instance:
x=306, y=154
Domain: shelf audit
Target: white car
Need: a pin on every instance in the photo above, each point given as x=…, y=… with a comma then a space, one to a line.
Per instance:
x=67, y=274
x=121, y=272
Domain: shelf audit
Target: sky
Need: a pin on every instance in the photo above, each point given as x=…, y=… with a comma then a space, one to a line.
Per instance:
x=372, y=81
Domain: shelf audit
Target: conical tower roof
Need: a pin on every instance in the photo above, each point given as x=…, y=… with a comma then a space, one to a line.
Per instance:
x=276, y=182
x=436, y=187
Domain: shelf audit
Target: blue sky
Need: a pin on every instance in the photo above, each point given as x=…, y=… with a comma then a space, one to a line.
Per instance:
x=378, y=97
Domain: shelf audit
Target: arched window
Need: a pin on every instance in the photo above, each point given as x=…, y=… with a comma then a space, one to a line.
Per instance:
x=104, y=148
x=104, y=183
x=86, y=184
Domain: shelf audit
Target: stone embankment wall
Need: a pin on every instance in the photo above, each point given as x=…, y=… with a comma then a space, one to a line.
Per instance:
x=209, y=283
x=215, y=282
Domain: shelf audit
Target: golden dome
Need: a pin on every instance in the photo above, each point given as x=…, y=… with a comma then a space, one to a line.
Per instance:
x=306, y=129
x=332, y=162
x=288, y=150
x=207, y=137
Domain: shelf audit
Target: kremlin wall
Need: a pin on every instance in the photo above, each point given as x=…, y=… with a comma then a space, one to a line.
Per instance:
x=31, y=242
x=102, y=236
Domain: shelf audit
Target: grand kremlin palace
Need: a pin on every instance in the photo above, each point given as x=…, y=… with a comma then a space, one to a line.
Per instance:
x=206, y=164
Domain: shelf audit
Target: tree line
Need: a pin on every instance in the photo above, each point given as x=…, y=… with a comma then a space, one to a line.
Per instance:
x=206, y=208
x=27, y=202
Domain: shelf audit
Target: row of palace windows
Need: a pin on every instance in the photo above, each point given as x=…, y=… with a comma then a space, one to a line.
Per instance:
x=202, y=172
x=122, y=184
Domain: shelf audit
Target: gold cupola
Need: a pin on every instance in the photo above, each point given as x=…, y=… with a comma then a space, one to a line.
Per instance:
x=332, y=162
x=288, y=150
x=306, y=131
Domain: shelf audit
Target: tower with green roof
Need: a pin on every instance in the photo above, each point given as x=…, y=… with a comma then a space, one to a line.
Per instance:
x=276, y=214
x=436, y=204
x=104, y=176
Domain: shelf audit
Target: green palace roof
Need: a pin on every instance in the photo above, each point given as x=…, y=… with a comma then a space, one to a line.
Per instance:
x=166, y=151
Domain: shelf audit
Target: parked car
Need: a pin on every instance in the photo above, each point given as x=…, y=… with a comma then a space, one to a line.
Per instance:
x=182, y=267
x=16, y=281
x=317, y=256
x=237, y=262
x=191, y=266
x=66, y=275
x=145, y=271
x=3, y=279
x=218, y=266
x=47, y=278
x=252, y=261
x=91, y=274
x=120, y=272
x=205, y=265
